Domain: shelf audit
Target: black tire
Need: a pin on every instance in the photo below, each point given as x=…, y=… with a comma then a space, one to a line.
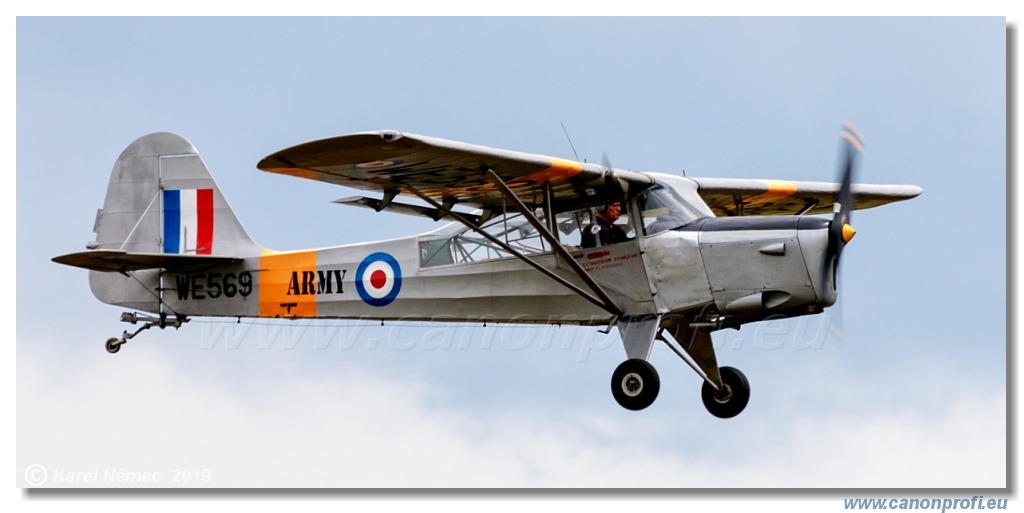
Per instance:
x=113, y=345
x=635, y=384
x=733, y=400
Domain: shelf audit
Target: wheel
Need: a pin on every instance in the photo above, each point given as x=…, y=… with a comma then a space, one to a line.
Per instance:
x=635, y=384
x=732, y=399
x=113, y=345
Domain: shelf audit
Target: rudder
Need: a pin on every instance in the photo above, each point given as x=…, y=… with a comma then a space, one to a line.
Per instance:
x=161, y=200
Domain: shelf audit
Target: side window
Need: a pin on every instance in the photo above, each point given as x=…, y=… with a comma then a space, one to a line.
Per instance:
x=456, y=244
x=571, y=226
x=468, y=246
x=609, y=224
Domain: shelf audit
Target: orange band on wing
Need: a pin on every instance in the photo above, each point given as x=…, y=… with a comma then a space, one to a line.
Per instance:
x=297, y=171
x=777, y=189
x=284, y=284
x=561, y=169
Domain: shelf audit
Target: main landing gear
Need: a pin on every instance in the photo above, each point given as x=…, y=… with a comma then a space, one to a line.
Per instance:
x=635, y=382
x=113, y=345
x=635, y=386
x=731, y=398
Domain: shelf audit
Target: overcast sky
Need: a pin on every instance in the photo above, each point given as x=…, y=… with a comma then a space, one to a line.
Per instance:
x=912, y=396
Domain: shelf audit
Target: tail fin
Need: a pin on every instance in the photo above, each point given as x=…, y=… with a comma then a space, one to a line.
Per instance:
x=163, y=211
x=162, y=199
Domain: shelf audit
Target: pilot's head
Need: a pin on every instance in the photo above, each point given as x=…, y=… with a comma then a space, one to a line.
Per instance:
x=610, y=212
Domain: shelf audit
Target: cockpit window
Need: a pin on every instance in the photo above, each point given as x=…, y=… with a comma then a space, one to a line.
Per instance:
x=457, y=244
x=662, y=208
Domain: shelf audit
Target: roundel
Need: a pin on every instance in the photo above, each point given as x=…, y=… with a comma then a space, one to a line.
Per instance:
x=378, y=279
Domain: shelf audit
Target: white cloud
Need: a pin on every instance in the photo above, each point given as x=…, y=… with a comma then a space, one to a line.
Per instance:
x=962, y=447
x=352, y=429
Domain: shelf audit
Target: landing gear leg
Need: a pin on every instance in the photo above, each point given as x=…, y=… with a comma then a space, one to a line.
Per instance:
x=113, y=345
x=726, y=391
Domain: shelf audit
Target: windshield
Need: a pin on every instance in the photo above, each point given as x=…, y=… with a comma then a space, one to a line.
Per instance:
x=663, y=208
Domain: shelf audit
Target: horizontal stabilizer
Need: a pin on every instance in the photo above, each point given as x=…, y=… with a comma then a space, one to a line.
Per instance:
x=404, y=208
x=122, y=261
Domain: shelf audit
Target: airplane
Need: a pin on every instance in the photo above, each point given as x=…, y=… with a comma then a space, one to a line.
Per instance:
x=520, y=246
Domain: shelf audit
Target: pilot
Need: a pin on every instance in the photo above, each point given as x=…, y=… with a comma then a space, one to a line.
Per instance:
x=605, y=228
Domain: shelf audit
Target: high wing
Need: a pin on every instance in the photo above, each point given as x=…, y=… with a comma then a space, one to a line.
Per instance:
x=451, y=172
x=732, y=196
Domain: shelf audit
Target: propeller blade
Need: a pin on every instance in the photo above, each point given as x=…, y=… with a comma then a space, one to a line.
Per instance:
x=612, y=177
x=606, y=162
x=841, y=232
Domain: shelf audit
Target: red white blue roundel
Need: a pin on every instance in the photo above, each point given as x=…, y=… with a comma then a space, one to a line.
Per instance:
x=378, y=279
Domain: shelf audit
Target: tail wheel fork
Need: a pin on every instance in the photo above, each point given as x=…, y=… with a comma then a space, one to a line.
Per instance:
x=113, y=345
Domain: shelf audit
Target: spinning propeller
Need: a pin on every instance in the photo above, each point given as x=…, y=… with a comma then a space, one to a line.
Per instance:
x=840, y=232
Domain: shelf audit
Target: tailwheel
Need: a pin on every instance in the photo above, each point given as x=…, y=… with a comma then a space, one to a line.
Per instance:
x=635, y=384
x=731, y=399
x=113, y=345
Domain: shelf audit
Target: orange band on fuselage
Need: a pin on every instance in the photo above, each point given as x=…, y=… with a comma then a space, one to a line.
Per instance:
x=282, y=279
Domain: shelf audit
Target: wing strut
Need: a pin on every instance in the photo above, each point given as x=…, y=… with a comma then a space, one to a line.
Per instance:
x=607, y=306
x=575, y=266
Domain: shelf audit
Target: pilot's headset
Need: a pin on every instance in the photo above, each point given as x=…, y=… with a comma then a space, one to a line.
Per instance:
x=603, y=207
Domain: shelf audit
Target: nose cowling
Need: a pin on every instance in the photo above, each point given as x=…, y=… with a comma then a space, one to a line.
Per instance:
x=820, y=258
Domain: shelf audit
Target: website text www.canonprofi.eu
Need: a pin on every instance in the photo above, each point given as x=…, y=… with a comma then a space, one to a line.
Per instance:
x=974, y=503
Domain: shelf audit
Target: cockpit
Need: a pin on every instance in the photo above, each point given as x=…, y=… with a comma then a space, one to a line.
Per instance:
x=670, y=203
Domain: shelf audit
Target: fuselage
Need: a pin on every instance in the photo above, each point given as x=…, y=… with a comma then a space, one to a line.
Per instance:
x=684, y=261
